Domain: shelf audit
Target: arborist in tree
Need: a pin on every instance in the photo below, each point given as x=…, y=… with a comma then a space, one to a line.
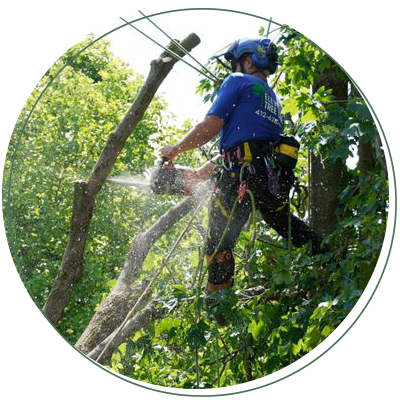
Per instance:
x=256, y=155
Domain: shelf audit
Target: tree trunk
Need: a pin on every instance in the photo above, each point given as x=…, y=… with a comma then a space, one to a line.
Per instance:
x=365, y=146
x=324, y=195
x=365, y=156
x=326, y=174
x=115, y=307
x=85, y=192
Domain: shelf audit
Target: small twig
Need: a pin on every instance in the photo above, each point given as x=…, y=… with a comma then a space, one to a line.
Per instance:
x=271, y=244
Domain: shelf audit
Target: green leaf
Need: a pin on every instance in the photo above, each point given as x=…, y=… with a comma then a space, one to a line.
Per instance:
x=360, y=108
x=166, y=325
x=309, y=116
x=137, y=335
x=290, y=106
x=327, y=330
x=297, y=347
x=312, y=337
x=196, y=334
x=255, y=328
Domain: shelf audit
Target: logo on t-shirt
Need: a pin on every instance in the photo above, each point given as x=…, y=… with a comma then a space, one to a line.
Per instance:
x=259, y=91
x=268, y=107
x=267, y=102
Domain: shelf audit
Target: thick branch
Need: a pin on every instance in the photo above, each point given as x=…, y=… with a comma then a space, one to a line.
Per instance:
x=114, y=308
x=152, y=312
x=141, y=320
x=84, y=197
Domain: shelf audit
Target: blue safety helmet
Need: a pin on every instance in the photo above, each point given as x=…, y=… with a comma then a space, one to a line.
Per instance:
x=262, y=50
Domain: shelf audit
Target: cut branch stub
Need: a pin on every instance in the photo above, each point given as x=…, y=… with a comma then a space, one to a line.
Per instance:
x=160, y=68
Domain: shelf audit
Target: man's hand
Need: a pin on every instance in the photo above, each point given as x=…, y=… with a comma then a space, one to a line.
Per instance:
x=169, y=152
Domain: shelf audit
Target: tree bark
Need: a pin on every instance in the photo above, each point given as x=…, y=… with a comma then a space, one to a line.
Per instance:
x=365, y=156
x=326, y=174
x=324, y=195
x=115, y=307
x=139, y=321
x=85, y=193
x=143, y=319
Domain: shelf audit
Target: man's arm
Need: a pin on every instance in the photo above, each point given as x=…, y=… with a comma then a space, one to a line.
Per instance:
x=202, y=133
x=205, y=171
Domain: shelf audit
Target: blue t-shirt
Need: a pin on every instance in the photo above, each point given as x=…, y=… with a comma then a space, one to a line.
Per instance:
x=249, y=108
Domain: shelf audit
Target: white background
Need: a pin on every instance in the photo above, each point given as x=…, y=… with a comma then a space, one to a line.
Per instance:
x=360, y=35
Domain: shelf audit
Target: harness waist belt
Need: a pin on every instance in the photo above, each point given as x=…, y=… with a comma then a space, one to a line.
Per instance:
x=246, y=152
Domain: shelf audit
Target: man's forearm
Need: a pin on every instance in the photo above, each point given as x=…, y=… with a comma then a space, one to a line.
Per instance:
x=202, y=133
x=198, y=136
x=206, y=170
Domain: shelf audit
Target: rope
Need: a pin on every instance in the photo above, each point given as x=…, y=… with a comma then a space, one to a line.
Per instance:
x=144, y=293
x=269, y=27
x=200, y=283
x=217, y=354
x=253, y=236
x=169, y=51
x=178, y=45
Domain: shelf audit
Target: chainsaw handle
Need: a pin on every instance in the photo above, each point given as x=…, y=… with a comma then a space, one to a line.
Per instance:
x=166, y=163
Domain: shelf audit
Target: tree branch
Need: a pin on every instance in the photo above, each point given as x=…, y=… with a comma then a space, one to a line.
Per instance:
x=114, y=308
x=143, y=319
x=85, y=193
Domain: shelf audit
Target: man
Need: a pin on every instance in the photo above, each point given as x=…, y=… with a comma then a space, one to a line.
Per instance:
x=247, y=112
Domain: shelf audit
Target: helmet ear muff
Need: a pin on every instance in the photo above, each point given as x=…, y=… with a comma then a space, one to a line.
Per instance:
x=269, y=61
x=272, y=56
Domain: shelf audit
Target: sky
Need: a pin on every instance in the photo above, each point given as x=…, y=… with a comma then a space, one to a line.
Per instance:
x=180, y=85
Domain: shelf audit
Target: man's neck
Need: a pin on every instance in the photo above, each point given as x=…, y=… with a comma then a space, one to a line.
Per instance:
x=259, y=74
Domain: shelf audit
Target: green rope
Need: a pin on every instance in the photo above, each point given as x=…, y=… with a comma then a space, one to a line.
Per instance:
x=217, y=353
x=250, y=246
x=225, y=230
x=289, y=228
x=200, y=268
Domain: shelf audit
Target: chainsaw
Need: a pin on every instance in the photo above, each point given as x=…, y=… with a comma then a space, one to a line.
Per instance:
x=168, y=178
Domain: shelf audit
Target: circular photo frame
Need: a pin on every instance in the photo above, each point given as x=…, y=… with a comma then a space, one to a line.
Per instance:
x=130, y=257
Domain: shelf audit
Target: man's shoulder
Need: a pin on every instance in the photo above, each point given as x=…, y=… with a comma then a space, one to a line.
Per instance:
x=234, y=77
x=245, y=78
x=238, y=79
x=240, y=76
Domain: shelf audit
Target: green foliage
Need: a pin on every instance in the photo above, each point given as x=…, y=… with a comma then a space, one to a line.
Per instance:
x=304, y=298
x=60, y=145
x=300, y=299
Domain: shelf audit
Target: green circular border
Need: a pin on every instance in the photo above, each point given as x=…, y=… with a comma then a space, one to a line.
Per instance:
x=106, y=369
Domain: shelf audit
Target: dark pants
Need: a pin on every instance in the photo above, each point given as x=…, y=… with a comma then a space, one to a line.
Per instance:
x=274, y=210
